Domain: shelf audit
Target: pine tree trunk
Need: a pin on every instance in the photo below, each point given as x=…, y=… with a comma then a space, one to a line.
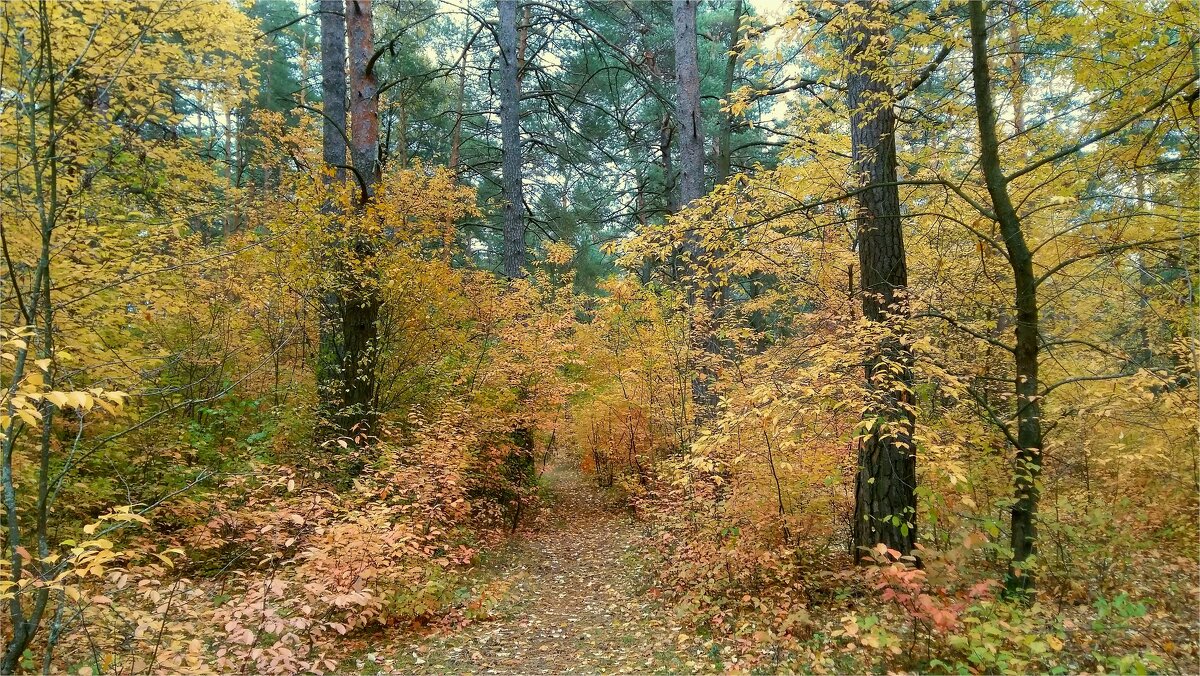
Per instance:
x=691, y=188
x=1026, y=357
x=333, y=86
x=361, y=304
x=510, y=138
x=885, y=487
x=364, y=95
x=687, y=105
x=519, y=463
x=333, y=151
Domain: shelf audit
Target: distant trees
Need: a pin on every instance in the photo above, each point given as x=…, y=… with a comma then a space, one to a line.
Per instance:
x=288, y=51
x=549, y=130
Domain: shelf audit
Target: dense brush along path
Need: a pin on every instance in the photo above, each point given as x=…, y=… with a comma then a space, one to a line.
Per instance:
x=576, y=602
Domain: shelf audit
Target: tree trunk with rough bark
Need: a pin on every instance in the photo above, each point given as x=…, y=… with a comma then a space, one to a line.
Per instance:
x=689, y=122
x=885, y=487
x=687, y=104
x=364, y=96
x=519, y=465
x=510, y=139
x=333, y=151
x=333, y=86
x=361, y=302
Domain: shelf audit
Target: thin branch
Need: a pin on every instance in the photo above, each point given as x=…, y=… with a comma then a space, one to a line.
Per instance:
x=1081, y=379
x=1109, y=250
x=958, y=325
x=1102, y=134
x=924, y=75
x=293, y=22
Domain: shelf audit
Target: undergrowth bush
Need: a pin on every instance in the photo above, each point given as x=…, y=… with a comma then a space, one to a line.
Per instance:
x=276, y=565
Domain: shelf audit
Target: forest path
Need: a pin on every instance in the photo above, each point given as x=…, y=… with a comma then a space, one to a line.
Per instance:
x=576, y=601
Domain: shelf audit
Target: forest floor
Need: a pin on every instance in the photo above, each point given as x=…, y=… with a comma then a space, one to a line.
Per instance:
x=577, y=601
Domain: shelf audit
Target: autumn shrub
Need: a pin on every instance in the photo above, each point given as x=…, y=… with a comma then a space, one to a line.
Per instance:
x=284, y=551
x=749, y=527
x=277, y=565
x=384, y=554
x=935, y=619
x=740, y=557
x=288, y=543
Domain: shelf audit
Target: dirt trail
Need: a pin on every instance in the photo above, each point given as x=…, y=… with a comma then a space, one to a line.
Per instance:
x=576, y=602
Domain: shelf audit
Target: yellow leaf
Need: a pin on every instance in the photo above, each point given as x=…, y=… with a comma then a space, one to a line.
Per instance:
x=81, y=400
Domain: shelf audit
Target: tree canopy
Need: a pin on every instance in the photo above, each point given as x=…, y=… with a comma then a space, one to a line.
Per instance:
x=879, y=318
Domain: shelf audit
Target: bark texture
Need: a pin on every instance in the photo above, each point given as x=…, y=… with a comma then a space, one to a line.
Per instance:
x=364, y=95
x=885, y=487
x=1028, y=414
x=510, y=139
x=519, y=463
x=687, y=105
x=333, y=151
x=333, y=85
x=361, y=302
x=691, y=187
